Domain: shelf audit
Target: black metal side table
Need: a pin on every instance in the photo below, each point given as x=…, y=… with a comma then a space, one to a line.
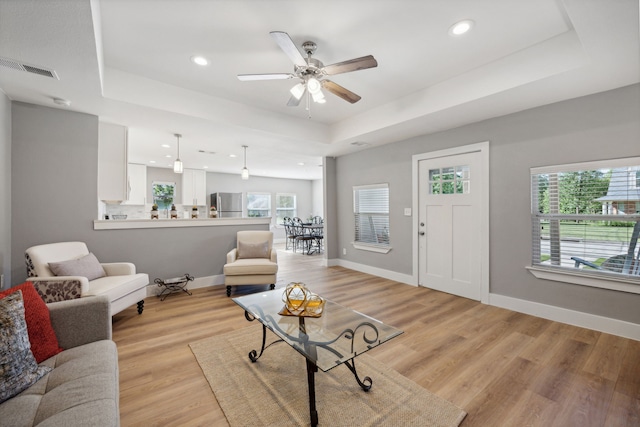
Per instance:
x=172, y=286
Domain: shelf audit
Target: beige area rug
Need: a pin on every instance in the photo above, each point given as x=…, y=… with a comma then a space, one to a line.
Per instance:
x=273, y=391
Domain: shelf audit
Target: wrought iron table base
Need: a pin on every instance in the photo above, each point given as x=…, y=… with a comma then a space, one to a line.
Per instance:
x=176, y=285
x=312, y=368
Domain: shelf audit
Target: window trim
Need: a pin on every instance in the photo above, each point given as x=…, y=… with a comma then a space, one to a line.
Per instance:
x=295, y=197
x=259, y=193
x=167, y=183
x=383, y=248
x=580, y=276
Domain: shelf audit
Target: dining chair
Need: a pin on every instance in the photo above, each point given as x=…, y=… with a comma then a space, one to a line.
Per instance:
x=290, y=237
x=297, y=230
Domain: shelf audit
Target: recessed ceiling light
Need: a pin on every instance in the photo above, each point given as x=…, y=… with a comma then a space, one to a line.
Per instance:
x=152, y=161
x=205, y=167
x=165, y=146
x=301, y=164
x=232, y=155
x=168, y=156
x=200, y=60
x=461, y=27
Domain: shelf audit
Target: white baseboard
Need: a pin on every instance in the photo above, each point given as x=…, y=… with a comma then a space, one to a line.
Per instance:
x=571, y=317
x=558, y=314
x=380, y=272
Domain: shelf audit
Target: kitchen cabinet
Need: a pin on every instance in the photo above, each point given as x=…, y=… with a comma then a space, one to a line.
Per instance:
x=137, y=184
x=112, y=162
x=194, y=191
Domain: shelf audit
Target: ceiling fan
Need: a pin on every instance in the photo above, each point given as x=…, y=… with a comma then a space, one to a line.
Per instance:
x=312, y=72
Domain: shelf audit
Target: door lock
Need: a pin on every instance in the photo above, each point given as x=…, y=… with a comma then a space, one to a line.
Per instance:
x=422, y=224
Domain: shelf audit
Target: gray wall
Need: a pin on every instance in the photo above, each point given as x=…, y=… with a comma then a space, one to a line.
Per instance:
x=54, y=189
x=596, y=127
x=5, y=189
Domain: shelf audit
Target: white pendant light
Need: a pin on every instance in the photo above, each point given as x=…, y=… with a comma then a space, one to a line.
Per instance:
x=177, y=165
x=245, y=171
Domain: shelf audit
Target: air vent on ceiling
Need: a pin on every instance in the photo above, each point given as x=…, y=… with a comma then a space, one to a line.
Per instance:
x=21, y=66
x=206, y=152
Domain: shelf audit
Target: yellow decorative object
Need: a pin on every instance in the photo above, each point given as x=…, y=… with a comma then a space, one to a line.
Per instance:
x=300, y=301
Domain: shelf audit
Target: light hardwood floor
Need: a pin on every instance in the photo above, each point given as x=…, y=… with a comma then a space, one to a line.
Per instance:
x=503, y=368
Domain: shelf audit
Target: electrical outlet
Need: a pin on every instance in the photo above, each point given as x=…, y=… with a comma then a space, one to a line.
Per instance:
x=344, y=251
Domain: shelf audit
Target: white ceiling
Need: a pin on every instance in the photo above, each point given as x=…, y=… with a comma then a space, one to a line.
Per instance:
x=128, y=61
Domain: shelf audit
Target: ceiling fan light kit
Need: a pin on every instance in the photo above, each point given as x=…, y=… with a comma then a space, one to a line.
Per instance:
x=312, y=72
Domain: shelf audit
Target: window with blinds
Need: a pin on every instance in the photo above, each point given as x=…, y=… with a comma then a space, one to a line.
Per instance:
x=258, y=205
x=285, y=206
x=371, y=212
x=586, y=217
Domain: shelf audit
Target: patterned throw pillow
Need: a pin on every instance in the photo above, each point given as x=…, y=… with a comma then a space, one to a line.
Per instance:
x=88, y=266
x=18, y=367
x=257, y=250
x=44, y=342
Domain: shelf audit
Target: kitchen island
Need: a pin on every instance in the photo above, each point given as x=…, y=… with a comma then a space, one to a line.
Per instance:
x=124, y=224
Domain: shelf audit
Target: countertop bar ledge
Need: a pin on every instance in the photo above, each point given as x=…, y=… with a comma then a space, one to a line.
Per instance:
x=123, y=224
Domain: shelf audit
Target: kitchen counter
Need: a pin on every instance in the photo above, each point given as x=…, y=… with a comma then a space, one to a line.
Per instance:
x=122, y=224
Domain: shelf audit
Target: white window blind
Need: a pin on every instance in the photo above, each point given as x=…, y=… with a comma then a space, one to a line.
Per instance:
x=371, y=212
x=285, y=206
x=258, y=205
x=586, y=218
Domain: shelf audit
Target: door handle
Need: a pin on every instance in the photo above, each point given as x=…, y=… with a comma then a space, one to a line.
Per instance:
x=422, y=233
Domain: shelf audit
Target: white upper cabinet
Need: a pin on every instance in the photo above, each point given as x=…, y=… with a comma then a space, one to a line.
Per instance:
x=194, y=191
x=112, y=162
x=137, y=184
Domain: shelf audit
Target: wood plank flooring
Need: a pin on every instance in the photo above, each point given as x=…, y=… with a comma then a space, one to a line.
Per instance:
x=503, y=368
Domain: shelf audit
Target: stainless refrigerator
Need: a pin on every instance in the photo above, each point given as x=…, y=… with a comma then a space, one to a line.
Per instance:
x=227, y=204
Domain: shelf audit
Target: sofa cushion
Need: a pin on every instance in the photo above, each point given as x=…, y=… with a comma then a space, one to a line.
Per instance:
x=118, y=286
x=18, y=367
x=42, y=337
x=250, y=267
x=87, y=266
x=82, y=389
x=253, y=250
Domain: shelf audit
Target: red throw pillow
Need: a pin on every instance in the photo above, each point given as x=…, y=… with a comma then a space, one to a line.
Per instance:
x=42, y=337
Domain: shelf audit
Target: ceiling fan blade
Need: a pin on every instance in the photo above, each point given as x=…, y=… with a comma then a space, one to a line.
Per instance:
x=351, y=65
x=338, y=90
x=273, y=76
x=287, y=45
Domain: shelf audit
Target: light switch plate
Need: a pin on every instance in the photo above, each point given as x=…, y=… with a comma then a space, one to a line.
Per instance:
x=407, y=211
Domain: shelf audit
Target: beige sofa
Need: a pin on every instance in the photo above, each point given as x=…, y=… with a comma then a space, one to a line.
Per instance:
x=121, y=284
x=82, y=389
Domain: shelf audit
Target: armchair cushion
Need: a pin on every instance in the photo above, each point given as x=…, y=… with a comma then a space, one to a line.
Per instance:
x=87, y=266
x=253, y=250
x=42, y=337
x=251, y=267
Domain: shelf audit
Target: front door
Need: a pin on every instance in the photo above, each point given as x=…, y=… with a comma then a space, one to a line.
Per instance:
x=449, y=224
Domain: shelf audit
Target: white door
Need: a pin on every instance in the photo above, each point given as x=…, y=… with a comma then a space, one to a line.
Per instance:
x=449, y=224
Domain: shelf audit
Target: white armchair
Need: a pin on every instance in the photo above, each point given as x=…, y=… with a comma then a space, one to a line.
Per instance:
x=252, y=262
x=67, y=270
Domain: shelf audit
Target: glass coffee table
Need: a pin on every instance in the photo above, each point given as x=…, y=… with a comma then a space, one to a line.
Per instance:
x=337, y=337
